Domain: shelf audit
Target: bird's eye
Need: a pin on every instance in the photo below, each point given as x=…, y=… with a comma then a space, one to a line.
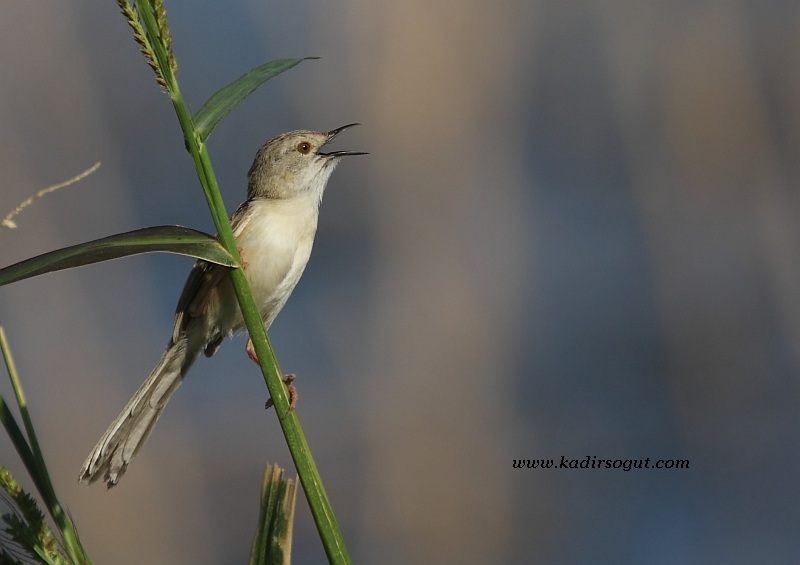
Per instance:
x=304, y=147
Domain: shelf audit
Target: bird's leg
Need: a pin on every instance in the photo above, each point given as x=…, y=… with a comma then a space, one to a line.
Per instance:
x=251, y=353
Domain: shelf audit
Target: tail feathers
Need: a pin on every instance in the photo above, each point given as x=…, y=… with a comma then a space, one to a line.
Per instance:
x=127, y=433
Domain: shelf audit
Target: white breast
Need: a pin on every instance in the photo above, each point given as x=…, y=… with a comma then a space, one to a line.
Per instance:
x=275, y=243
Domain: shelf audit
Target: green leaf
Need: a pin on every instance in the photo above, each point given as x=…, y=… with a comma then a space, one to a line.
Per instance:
x=228, y=97
x=168, y=239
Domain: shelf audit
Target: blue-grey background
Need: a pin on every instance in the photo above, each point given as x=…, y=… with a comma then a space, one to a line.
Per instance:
x=576, y=234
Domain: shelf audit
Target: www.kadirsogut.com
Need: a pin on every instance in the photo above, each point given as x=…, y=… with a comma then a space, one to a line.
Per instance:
x=592, y=462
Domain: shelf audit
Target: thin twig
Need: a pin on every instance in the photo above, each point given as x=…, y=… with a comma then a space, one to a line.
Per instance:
x=9, y=223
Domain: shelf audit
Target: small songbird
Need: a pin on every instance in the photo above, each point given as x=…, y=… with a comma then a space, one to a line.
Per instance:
x=274, y=230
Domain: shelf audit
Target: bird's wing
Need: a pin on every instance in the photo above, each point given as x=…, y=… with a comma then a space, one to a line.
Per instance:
x=201, y=282
x=199, y=286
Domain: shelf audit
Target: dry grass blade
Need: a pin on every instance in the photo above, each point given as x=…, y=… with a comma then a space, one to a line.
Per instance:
x=8, y=221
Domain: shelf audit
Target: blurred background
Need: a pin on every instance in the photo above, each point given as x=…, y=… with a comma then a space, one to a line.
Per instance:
x=577, y=233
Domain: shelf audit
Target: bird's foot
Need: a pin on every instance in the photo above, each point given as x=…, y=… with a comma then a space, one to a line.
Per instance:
x=251, y=353
x=291, y=389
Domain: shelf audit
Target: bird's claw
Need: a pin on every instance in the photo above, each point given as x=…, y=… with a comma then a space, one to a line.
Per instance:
x=292, y=390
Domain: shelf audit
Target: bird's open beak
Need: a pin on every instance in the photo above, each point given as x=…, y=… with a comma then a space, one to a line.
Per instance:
x=333, y=133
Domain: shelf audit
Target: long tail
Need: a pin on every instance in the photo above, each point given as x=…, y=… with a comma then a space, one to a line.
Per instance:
x=127, y=433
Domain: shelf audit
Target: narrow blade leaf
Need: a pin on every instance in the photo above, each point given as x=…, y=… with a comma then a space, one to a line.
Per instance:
x=228, y=97
x=167, y=239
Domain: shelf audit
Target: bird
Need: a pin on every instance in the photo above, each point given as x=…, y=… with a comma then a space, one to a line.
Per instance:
x=274, y=230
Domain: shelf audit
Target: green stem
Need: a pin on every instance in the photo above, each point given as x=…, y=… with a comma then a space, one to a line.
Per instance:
x=307, y=471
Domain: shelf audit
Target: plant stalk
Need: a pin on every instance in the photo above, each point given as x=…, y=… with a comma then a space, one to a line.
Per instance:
x=307, y=471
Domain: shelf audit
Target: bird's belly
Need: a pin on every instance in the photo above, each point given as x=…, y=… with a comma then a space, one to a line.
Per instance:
x=274, y=260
